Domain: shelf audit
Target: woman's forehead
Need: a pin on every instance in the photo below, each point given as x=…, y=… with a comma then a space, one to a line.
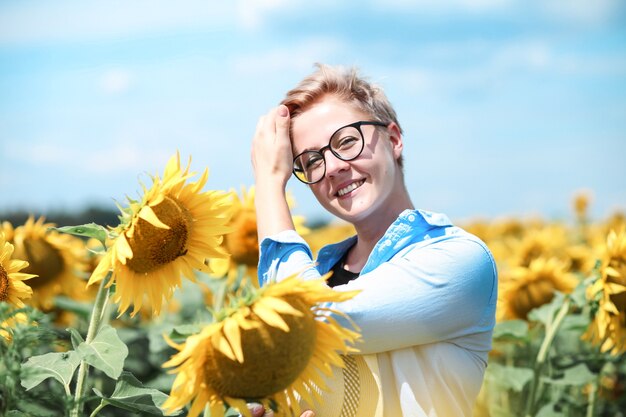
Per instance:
x=312, y=128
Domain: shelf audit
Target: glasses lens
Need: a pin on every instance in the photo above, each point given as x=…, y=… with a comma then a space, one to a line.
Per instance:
x=347, y=143
x=309, y=166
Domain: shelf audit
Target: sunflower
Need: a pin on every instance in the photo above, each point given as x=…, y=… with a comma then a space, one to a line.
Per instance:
x=580, y=203
x=56, y=260
x=536, y=243
x=608, y=328
x=278, y=330
x=526, y=288
x=7, y=326
x=243, y=242
x=171, y=232
x=330, y=233
x=12, y=288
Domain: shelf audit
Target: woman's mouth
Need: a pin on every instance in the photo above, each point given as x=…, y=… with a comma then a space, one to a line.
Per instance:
x=351, y=187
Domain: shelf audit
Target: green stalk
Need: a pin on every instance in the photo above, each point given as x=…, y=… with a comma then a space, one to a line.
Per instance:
x=98, y=408
x=94, y=325
x=551, y=330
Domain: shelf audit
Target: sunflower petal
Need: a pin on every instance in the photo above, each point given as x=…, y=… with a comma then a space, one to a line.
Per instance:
x=231, y=330
x=269, y=316
x=150, y=216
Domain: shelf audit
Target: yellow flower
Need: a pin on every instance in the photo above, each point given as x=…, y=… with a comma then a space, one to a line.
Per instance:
x=269, y=346
x=530, y=287
x=581, y=204
x=608, y=329
x=55, y=258
x=243, y=242
x=331, y=233
x=7, y=326
x=171, y=232
x=12, y=288
x=546, y=241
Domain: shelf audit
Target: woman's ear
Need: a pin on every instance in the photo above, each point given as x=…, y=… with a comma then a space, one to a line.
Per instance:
x=395, y=139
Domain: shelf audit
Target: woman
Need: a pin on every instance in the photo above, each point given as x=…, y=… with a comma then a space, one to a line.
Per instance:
x=426, y=309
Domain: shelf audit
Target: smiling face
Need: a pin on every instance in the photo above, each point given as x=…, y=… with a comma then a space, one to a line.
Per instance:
x=371, y=184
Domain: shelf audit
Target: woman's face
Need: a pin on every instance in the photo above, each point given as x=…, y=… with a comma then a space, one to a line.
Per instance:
x=351, y=190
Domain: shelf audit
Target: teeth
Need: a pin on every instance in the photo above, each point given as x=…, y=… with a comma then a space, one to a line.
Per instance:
x=347, y=189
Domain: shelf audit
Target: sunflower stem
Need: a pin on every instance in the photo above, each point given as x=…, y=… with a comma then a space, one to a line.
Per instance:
x=94, y=324
x=551, y=329
x=98, y=408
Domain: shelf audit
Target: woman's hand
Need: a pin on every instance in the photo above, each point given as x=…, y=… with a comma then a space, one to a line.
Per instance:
x=258, y=410
x=272, y=158
x=272, y=161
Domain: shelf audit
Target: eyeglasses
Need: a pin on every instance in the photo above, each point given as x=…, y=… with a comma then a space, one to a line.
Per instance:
x=346, y=144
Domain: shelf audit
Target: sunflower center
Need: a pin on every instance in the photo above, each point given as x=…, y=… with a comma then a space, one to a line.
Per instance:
x=619, y=300
x=273, y=359
x=44, y=260
x=153, y=246
x=4, y=284
x=532, y=295
x=243, y=243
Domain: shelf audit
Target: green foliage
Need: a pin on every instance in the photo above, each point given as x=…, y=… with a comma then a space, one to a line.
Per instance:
x=568, y=381
x=60, y=366
x=105, y=352
x=130, y=394
x=32, y=336
x=86, y=230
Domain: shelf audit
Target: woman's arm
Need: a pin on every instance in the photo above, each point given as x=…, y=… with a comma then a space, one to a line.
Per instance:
x=435, y=293
x=272, y=163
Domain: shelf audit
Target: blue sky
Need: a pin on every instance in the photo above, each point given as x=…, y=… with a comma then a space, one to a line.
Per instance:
x=509, y=107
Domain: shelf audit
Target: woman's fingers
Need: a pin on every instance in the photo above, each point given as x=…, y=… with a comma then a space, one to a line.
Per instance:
x=271, y=147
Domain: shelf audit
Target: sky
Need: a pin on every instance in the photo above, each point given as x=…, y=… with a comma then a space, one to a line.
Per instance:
x=509, y=107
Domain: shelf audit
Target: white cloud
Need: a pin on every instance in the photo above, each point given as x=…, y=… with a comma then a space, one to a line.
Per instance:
x=581, y=11
x=438, y=6
x=62, y=20
x=115, y=81
x=108, y=159
x=252, y=13
x=299, y=59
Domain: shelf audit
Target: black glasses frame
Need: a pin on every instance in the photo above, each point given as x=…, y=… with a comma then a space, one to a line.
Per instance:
x=322, y=151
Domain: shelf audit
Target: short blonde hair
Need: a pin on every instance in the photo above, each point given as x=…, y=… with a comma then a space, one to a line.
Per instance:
x=345, y=84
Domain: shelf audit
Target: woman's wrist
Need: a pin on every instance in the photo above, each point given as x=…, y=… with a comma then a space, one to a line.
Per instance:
x=273, y=213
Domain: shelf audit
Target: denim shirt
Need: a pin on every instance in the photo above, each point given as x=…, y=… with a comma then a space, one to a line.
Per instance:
x=426, y=281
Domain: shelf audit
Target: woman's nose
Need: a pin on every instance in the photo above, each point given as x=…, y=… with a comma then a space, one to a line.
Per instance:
x=334, y=165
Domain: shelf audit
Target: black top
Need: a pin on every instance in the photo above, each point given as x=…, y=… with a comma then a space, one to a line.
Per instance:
x=340, y=275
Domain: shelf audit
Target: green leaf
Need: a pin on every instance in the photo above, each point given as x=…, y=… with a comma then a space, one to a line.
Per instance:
x=130, y=394
x=549, y=411
x=88, y=230
x=575, y=322
x=81, y=308
x=511, y=330
x=32, y=409
x=576, y=375
x=106, y=352
x=16, y=413
x=545, y=313
x=76, y=338
x=58, y=365
x=579, y=296
x=509, y=377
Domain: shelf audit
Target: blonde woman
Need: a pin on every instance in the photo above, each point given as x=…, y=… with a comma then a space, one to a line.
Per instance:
x=426, y=309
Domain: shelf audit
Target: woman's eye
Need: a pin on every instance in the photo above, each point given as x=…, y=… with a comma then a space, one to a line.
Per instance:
x=313, y=162
x=346, y=142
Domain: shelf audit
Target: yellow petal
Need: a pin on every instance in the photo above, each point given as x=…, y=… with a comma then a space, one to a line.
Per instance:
x=280, y=306
x=231, y=330
x=270, y=317
x=150, y=216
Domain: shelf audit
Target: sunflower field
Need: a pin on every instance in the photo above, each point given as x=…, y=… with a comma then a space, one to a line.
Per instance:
x=162, y=314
